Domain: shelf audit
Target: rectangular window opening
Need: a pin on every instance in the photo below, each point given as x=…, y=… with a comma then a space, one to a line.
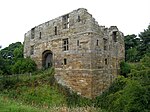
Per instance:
x=106, y=62
x=78, y=43
x=65, y=61
x=32, y=33
x=79, y=19
x=32, y=50
x=65, y=21
x=105, y=44
x=55, y=30
x=40, y=35
x=65, y=44
x=97, y=42
x=114, y=36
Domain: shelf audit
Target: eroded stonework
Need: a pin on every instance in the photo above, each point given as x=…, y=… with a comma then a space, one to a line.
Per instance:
x=85, y=56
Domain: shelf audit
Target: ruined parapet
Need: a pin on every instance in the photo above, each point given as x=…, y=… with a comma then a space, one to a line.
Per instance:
x=85, y=56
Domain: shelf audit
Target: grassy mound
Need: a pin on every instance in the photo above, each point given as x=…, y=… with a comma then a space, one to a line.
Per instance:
x=39, y=92
x=33, y=89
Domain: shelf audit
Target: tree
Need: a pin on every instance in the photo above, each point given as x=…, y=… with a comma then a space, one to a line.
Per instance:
x=131, y=44
x=132, y=55
x=146, y=60
x=124, y=69
x=131, y=41
x=136, y=48
x=18, y=52
x=144, y=48
x=9, y=55
x=2, y=66
x=24, y=66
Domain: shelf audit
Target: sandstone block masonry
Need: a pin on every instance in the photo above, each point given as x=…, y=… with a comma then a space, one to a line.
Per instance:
x=85, y=56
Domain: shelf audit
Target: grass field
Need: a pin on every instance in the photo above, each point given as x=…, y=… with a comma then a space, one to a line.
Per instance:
x=39, y=93
x=9, y=105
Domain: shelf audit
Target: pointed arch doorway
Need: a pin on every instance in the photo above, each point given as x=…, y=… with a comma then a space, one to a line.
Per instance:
x=47, y=59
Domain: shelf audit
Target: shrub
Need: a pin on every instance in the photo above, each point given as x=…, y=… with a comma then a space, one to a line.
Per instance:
x=105, y=99
x=24, y=66
x=125, y=68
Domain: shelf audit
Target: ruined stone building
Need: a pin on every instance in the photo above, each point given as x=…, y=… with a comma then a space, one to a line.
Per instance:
x=85, y=56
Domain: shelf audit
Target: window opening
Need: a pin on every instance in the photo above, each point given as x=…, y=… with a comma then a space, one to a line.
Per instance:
x=114, y=36
x=79, y=19
x=32, y=33
x=66, y=21
x=55, y=30
x=78, y=43
x=32, y=50
x=48, y=64
x=65, y=61
x=106, y=62
x=105, y=44
x=40, y=35
x=97, y=42
x=65, y=44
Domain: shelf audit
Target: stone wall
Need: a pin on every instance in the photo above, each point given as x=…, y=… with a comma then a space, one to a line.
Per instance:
x=85, y=56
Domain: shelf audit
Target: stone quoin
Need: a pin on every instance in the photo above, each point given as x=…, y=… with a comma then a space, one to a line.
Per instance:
x=85, y=55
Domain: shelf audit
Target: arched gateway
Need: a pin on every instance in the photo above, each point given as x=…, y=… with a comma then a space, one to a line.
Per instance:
x=47, y=59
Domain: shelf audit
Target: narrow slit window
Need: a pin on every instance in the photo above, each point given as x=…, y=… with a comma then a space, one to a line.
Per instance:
x=55, y=30
x=78, y=43
x=65, y=61
x=79, y=19
x=106, y=62
x=97, y=42
x=40, y=35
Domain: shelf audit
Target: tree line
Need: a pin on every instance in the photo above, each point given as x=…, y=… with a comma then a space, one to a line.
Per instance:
x=137, y=47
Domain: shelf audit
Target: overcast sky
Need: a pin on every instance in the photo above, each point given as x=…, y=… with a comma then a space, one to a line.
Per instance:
x=19, y=16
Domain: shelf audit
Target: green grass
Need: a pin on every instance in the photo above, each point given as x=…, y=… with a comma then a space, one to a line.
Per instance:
x=39, y=92
x=9, y=105
x=40, y=95
x=34, y=89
